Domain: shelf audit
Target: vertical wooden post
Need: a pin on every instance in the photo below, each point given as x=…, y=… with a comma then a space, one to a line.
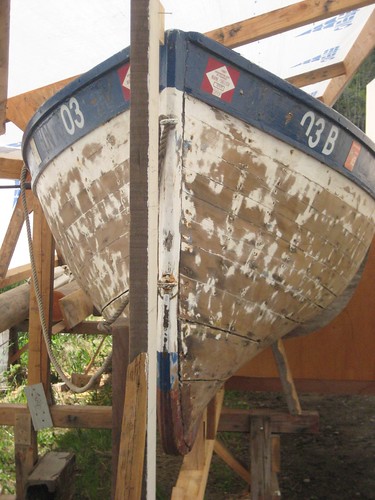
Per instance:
x=286, y=378
x=43, y=245
x=143, y=274
x=131, y=458
x=4, y=57
x=120, y=355
x=261, y=458
x=25, y=447
x=192, y=479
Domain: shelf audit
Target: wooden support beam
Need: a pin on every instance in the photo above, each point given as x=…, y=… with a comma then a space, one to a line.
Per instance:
x=192, y=479
x=75, y=307
x=15, y=275
x=64, y=416
x=231, y=461
x=144, y=199
x=238, y=420
x=273, y=384
x=120, y=356
x=55, y=473
x=10, y=168
x=318, y=75
x=286, y=378
x=4, y=59
x=43, y=249
x=261, y=458
x=133, y=432
x=280, y=20
x=26, y=450
x=22, y=107
x=14, y=303
x=16, y=355
x=86, y=328
x=264, y=460
x=13, y=232
x=361, y=48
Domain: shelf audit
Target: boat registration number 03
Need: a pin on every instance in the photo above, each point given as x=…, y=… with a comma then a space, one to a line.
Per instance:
x=315, y=126
x=72, y=116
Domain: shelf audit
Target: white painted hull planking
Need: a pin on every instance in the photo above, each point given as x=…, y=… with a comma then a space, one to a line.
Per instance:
x=257, y=237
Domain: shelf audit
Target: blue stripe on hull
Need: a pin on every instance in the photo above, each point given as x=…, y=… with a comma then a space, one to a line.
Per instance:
x=167, y=371
x=223, y=79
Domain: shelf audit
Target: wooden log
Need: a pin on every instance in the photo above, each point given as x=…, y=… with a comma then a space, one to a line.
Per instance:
x=14, y=306
x=14, y=303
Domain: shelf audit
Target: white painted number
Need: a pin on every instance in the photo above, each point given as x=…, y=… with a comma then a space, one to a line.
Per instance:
x=314, y=131
x=71, y=115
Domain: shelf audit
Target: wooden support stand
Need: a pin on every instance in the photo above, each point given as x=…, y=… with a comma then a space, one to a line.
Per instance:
x=52, y=477
x=133, y=432
x=192, y=480
x=264, y=428
x=25, y=449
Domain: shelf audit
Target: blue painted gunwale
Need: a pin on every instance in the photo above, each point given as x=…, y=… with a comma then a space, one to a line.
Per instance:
x=259, y=98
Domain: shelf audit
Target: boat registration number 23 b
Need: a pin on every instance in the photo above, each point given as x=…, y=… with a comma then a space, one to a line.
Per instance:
x=315, y=127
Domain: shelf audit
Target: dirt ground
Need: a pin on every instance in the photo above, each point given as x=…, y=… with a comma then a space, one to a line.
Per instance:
x=337, y=463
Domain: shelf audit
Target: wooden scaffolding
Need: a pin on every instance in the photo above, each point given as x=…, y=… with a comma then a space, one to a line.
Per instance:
x=132, y=415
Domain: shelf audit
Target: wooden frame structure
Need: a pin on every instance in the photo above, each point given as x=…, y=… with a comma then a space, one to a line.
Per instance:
x=193, y=475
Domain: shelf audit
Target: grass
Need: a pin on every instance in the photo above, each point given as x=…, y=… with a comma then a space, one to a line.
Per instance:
x=92, y=447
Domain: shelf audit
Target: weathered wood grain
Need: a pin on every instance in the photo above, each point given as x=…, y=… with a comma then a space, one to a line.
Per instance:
x=12, y=234
x=361, y=48
x=280, y=20
x=4, y=59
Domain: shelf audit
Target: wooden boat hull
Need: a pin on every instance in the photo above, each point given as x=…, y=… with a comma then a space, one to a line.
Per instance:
x=266, y=210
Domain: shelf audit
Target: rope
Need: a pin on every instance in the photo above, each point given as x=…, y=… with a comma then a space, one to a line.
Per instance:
x=167, y=122
x=106, y=325
x=43, y=323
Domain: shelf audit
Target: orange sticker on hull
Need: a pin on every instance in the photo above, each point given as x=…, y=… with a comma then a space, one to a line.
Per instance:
x=352, y=156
